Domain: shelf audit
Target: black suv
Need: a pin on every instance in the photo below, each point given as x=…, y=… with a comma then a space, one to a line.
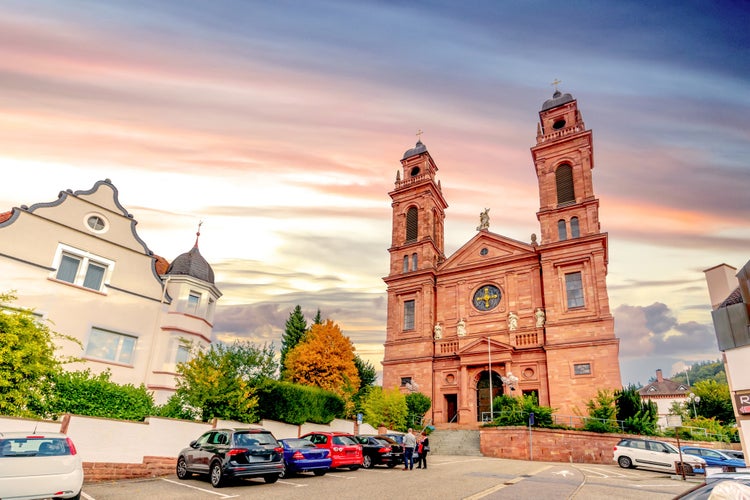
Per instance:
x=232, y=453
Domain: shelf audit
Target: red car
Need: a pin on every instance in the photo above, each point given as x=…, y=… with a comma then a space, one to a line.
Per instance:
x=345, y=451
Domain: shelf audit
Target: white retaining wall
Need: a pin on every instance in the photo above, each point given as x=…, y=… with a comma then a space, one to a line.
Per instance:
x=120, y=441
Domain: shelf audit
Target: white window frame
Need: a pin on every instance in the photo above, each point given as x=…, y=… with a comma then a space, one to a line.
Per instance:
x=85, y=259
x=193, y=307
x=121, y=341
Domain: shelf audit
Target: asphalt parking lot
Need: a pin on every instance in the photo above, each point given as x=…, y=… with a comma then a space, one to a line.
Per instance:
x=447, y=478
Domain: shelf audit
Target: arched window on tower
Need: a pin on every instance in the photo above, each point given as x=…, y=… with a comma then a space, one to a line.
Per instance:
x=414, y=262
x=562, y=232
x=412, y=224
x=406, y=263
x=564, y=181
x=575, y=231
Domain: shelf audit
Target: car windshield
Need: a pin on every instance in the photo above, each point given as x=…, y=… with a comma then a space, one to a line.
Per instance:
x=33, y=446
x=671, y=448
x=254, y=439
x=298, y=443
x=345, y=440
x=385, y=441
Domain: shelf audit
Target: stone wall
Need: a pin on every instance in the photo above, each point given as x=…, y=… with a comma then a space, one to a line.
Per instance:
x=553, y=445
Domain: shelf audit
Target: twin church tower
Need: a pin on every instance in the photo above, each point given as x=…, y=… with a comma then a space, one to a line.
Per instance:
x=501, y=316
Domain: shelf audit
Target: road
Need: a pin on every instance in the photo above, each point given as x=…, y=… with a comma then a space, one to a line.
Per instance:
x=447, y=478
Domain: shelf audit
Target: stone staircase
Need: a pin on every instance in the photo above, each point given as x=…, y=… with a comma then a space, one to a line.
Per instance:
x=455, y=442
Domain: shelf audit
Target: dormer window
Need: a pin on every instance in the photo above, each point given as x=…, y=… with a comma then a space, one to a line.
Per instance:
x=652, y=389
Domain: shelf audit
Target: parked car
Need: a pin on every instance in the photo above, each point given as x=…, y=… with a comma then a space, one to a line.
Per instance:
x=39, y=465
x=300, y=455
x=380, y=450
x=713, y=458
x=722, y=484
x=399, y=438
x=232, y=453
x=734, y=453
x=344, y=448
x=655, y=455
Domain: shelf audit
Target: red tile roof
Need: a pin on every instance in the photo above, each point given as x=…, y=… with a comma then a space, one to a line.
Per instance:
x=5, y=216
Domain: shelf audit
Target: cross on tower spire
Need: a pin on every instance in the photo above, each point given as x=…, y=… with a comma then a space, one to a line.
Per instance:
x=556, y=83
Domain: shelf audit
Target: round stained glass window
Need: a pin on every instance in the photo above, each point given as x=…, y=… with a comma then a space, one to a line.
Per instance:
x=486, y=297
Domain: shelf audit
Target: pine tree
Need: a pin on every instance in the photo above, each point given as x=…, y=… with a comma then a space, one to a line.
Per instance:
x=317, y=320
x=294, y=330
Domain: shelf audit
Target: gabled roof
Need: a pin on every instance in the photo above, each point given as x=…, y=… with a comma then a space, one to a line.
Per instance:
x=497, y=249
x=664, y=388
x=479, y=346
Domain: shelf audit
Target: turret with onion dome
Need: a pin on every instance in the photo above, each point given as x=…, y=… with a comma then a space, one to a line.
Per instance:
x=192, y=264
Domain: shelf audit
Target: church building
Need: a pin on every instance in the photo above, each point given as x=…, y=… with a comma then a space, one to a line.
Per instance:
x=501, y=316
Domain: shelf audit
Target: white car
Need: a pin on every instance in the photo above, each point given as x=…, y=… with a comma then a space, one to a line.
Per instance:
x=655, y=455
x=39, y=465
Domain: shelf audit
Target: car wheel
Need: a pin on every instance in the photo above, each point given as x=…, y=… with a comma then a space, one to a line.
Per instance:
x=182, y=470
x=285, y=472
x=271, y=478
x=217, y=475
x=625, y=462
x=353, y=467
x=367, y=462
x=320, y=472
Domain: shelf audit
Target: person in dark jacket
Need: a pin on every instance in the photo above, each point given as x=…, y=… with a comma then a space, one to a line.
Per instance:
x=424, y=448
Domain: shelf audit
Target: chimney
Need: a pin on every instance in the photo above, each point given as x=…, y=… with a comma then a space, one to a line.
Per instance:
x=659, y=377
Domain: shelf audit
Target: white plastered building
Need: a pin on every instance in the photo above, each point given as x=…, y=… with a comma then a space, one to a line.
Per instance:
x=79, y=263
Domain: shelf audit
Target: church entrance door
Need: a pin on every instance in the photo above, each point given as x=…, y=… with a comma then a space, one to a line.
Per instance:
x=483, y=394
x=451, y=407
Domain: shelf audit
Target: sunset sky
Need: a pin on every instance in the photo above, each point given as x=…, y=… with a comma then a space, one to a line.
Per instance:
x=281, y=125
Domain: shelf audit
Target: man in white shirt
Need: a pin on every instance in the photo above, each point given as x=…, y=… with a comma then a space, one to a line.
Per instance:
x=410, y=442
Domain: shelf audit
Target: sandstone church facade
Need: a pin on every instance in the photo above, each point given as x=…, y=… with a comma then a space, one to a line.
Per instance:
x=501, y=316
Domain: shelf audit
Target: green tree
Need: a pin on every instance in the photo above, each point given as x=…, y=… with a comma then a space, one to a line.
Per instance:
x=639, y=417
x=385, y=407
x=510, y=410
x=715, y=401
x=82, y=393
x=220, y=382
x=294, y=331
x=417, y=405
x=705, y=370
x=28, y=364
x=602, y=412
x=366, y=371
x=317, y=320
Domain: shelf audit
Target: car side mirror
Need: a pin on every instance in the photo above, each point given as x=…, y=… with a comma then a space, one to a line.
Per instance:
x=193, y=444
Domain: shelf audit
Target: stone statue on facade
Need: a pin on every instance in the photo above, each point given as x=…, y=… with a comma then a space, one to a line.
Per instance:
x=484, y=219
x=461, y=328
x=540, y=317
x=512, y=321
x=438, y=331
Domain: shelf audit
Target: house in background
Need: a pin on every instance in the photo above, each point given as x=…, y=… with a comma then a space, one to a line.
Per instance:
x=664, y=393
x=729, y=291
x=79, y=263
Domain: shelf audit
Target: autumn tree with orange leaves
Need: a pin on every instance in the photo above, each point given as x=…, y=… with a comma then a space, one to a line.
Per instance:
x=325, y=359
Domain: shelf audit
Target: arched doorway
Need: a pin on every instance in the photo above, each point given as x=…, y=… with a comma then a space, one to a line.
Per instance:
x=483, y=393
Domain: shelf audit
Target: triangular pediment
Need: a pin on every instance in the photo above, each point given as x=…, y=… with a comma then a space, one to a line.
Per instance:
x=479, y=346
x=486, y=247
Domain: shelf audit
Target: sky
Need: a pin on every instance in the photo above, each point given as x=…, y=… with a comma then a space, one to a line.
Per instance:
x=281, y=126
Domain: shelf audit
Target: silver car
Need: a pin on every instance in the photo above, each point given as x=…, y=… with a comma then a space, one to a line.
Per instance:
x=39, y=465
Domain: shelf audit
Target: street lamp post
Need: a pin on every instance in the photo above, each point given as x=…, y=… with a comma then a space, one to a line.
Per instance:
x=694, y=399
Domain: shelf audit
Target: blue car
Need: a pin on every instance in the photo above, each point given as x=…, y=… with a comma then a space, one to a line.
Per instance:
x=300, y=455
x=714, y=458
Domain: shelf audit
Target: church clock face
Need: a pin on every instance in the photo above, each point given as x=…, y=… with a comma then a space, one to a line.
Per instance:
x=486, y=297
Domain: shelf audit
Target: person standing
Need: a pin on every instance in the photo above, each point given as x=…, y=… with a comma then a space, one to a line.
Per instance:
x=423, y=447
x=410, y=442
